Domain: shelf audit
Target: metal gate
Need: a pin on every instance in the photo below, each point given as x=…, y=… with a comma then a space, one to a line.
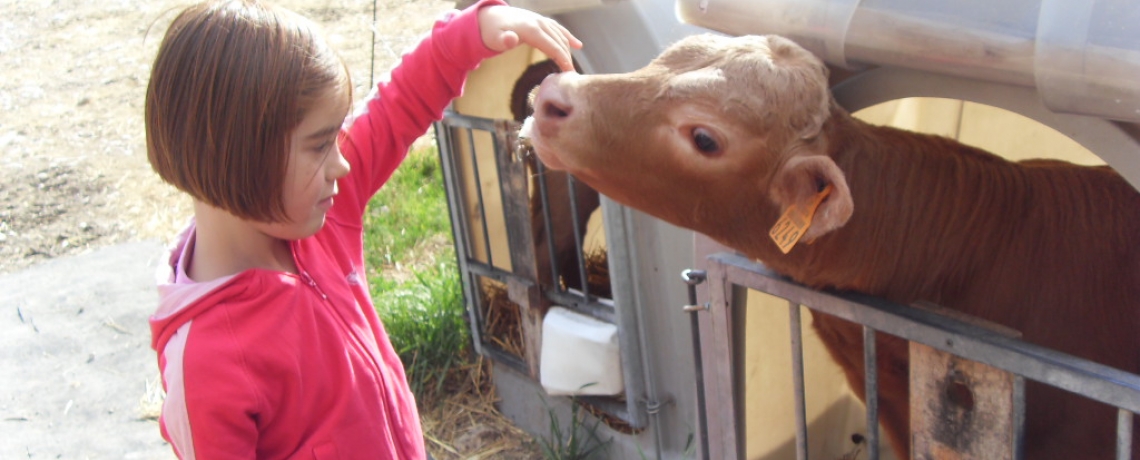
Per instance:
x=509, y=183
x=726, y=276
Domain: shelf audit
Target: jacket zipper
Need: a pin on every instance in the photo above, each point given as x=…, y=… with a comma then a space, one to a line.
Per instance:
x=313, y=284
x=305, y=273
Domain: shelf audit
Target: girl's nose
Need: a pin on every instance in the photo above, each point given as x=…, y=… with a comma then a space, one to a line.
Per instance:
x=340, y=166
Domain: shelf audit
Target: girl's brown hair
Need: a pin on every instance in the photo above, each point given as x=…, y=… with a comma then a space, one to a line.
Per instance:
x=231, y=82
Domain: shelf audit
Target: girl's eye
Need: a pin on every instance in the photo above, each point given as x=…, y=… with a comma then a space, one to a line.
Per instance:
x=324, y=146
x=704, y=141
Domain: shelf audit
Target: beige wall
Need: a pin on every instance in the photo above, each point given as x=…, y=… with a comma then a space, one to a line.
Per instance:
x=1002, y=132
x=833, y=411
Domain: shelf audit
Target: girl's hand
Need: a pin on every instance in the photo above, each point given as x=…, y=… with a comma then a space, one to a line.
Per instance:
x=504, y=27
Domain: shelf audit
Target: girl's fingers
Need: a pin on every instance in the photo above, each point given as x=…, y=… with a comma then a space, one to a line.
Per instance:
x=521, y=26
x=559, y=43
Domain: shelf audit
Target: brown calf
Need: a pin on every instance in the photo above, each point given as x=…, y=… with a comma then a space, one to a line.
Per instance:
x=722, y=135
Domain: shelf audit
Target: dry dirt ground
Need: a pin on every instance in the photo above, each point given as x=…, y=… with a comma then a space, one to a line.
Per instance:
x=73, y=170
x=77, y=197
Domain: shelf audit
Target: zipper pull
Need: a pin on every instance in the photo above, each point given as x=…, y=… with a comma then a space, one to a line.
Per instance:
x=313, y=284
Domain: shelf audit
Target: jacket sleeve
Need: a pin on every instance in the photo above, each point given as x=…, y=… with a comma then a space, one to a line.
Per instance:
x=215, y=414
x=401, y=110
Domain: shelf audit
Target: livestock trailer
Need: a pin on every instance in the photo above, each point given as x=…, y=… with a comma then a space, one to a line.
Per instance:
x=679, y=348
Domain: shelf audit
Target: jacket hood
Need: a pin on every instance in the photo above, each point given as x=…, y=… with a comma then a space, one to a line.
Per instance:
x=179, y=299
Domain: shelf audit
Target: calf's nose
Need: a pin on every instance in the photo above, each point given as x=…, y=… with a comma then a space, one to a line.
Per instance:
x=551, y=105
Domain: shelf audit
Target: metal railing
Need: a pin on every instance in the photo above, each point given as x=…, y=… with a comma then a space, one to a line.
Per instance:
x=727, y=272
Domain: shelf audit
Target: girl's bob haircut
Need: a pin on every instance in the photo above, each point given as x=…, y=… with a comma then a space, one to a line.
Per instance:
x=231, y=81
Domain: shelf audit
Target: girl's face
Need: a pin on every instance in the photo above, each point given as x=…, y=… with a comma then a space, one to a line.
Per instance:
x=315, y=163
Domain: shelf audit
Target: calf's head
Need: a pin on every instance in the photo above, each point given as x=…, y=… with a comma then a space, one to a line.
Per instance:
x=714, y=134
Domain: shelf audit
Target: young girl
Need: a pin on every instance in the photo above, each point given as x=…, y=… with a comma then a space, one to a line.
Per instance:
x=266, y=335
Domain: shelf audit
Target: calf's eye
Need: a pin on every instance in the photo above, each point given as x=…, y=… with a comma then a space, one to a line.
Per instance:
x=704, y=141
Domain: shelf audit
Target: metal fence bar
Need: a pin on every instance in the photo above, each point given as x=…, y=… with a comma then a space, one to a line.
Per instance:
x=580, y=253
x=540, y=173
x=1123, y=435
x=723, y=430
x=871, y=392
x=460, y=233
x=1018, y=416
x=512, y=188
x=597, y=307
x=631, y=315
x=458, y=120
x=1092, y=380
x=727, y=272
x=488, y=271
x=798, y=380
x=692, y=278
x=482, y=207
x=507, y=359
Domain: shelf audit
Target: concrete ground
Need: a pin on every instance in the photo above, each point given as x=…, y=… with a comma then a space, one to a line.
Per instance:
x=78, y=379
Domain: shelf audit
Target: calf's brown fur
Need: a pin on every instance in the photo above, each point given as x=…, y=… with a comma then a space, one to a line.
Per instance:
x=721, y=135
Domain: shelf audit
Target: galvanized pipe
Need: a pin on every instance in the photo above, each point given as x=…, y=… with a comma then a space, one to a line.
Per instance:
x=1018, y=416
x=540, y=173
x=871, y=392
x=479, y=188
x=798, y=381
x=692, y=278
x=580, y=254
x=1123, y=435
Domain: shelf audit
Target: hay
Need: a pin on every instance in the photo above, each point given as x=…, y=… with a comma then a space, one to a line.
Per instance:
x=464, y=423
x=150, y=403
x=598, y=274
x=502, y=319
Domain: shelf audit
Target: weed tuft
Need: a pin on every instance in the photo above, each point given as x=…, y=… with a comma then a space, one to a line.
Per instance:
x=579, y=441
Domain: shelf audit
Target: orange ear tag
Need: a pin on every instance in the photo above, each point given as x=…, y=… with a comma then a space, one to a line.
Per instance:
x=794, y=223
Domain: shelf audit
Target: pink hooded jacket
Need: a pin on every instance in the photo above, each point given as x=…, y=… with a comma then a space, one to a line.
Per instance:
x=272, y=365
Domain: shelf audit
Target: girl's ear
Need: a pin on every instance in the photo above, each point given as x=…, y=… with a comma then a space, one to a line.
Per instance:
x=800, y=182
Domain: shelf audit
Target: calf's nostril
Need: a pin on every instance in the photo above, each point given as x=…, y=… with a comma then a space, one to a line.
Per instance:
x=555, y=110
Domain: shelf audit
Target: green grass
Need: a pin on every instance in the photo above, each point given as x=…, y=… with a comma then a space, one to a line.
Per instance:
x=579, y=441
x=410, y=209
x=424, y=320
x=423, y=315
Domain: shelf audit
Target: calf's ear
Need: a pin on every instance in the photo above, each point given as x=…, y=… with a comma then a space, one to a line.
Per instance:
x=800, y=182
